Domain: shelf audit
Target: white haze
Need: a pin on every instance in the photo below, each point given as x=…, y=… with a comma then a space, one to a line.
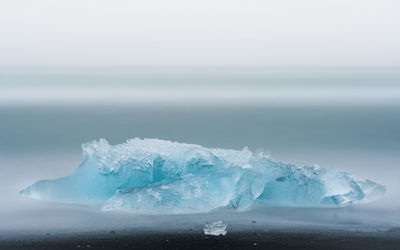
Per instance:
x=177, y=32
x=40, y=39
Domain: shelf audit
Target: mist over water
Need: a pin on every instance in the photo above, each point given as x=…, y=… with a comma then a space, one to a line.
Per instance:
x=199, y=86
x=353, y=125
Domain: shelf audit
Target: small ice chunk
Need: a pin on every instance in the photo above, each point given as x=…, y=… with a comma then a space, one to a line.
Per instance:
x=215, y=228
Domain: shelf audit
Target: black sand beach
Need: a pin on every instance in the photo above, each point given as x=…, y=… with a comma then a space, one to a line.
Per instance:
x=197, y=240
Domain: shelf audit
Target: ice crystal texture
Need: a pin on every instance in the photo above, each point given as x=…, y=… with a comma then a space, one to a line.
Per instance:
x=215, y=228
x=158, y=176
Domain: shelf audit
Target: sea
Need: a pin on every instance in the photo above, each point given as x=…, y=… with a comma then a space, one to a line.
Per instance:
x=341, y=118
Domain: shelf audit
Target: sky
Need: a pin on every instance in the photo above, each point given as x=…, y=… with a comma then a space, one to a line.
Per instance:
x=308, y=33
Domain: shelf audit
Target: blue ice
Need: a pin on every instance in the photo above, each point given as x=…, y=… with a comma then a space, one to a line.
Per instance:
x=159, y=176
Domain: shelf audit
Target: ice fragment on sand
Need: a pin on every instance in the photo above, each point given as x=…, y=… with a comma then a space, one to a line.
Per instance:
x=215, y=228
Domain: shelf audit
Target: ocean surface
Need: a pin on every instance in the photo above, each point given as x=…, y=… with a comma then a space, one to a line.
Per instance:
x=347, y=119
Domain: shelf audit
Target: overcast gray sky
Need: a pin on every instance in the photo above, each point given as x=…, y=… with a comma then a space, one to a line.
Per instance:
x=207, y=32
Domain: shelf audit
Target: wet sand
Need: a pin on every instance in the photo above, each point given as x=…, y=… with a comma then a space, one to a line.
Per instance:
x=197, y=240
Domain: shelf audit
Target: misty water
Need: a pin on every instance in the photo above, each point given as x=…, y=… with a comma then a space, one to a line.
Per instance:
x=40, y=138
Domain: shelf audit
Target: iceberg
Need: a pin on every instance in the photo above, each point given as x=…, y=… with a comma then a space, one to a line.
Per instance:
x=159, y=176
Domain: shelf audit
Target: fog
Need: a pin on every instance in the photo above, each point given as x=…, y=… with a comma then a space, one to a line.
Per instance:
x=23, y=217
x=303, y=81
x=43, y=142
x=199, y=86
x=260, y=33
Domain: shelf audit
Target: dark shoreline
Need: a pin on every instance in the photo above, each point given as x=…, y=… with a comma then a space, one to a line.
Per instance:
x=197, y=240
